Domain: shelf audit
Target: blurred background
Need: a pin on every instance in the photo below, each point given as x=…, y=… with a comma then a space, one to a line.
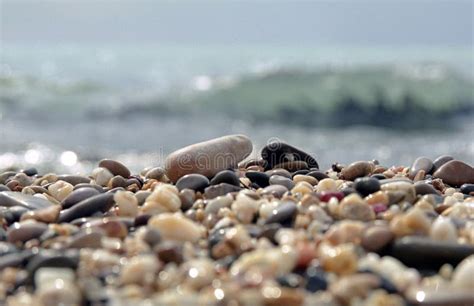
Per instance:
x=134, y=80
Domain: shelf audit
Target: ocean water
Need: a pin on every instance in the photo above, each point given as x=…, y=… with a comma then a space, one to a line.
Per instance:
x=63, y=107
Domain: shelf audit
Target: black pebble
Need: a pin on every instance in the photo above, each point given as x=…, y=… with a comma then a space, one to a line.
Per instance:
x=366, y=185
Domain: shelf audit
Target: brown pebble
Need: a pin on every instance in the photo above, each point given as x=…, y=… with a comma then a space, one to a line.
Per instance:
x=455, y=173
x=357, y=169
x=115, y=167
x=376, y=237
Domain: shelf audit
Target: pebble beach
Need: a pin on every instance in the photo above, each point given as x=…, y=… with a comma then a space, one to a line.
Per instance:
x=215, y=225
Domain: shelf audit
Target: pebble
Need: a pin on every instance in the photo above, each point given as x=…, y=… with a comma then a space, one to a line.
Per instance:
x=196, y=182
x=357, y=169
x=421, y=163
x=74, y=179
x=86, y=239
x=327, y=184
x=455, y=173
x=366, y=185
x=226, y=176
x=260, y=178
x=376, y=237
x=208, y=158
x=279, y=152
x=441, y=160
x=284, y=214
x=467, y=188
x=60, y=190
x=102, y=176
x=405, y=190
x=276, y=190
x=115, y=167
x=443, y=230
x=424, y=188
x=46, y=215
x=176, y=227
x=78, y=195
x=24, y=231
x=164, y=198
x=353, y=207
x=340, y=259
x=292, y=166
x=170, y=251
x=463, y=274
x=11, y=198
x=318, y=175
x=221, y=189
x=354, y=287
x=279, y=171
x=215, y=204
x=87, y=207
x=55, y=286
x=127, y=203
x=156, y=173
x=316, y=279
x=281, y=180
x=139, y=270
x=422, y=252
x=305, y=178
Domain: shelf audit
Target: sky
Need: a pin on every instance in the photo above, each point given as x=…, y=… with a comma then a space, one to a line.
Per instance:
x=357, y=22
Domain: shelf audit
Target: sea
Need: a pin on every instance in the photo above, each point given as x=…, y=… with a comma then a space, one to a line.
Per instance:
x=63, y=107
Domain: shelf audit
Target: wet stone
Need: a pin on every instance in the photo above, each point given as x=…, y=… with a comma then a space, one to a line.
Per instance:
x=283, y=214
x=226, y=176
x=156, y=173
x=74, y=179
x=11, y=198
x=169, y=251
x=78, y=195
x=279, y=152
x=421, y=163
x=281, y=180
x=196, y=182
x=22, y=232
x=441, y=160
x=276, y=190
x=422, y=252
x=260, y=178
x=319, y=175
x=87, y=207
x=115, y=167
x=280, y=172
x=221, y=189
x=467, y=188
x=366, y=185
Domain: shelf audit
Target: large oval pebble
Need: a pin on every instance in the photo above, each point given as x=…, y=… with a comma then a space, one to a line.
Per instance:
x=87, y=207
x=11, y=198
x=209, y=157
x=455, y=173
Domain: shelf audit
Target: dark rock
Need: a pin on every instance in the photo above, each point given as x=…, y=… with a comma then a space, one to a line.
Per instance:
x=19, y=259
x=316, y=279
x=226, y=176
x=78, y=195
x=30, y=171
x=87, y=185
x=142, y=220
x=269, y=231
x=196, y=182
x=425, y=253
x=440, y=161
x=319, y=175
x=279, y=152
x=280, y=172
x=467, y=188
x=302, y=172
x=455, y=173
x=283, y=214
x=293, y=165
x=281, y=180
x=379, y=176
x=11, y=198
x=4, y=188
x=221, y=189
x=115, y=167
x=187, y=197
x=22, y=232
x=98, y=203
x=169, y=251
x=74, y=179
x=259, y=178
x=366, y=185
x=291, y=280
x=69, y=259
